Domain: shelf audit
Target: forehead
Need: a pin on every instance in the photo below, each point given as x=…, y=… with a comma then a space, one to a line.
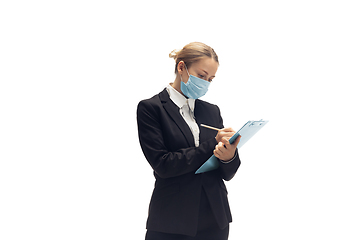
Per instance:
x=206, y=64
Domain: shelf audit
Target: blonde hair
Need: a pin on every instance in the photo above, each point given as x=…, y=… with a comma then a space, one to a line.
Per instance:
x=192, y=53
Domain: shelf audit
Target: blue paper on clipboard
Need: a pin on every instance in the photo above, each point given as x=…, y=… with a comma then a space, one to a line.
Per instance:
x=247, y=131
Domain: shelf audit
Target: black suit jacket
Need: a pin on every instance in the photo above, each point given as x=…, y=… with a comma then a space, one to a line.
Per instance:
x=168, y=145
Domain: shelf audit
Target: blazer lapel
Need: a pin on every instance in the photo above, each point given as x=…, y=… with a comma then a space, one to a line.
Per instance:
x=202, y=116
x=174, y=113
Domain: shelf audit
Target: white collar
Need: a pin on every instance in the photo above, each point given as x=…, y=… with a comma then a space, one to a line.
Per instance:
x=179, y=99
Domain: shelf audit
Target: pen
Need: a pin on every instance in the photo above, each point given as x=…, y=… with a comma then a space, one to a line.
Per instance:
x=213, y=128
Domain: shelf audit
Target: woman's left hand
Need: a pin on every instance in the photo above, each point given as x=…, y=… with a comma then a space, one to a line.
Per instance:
x=226, y=151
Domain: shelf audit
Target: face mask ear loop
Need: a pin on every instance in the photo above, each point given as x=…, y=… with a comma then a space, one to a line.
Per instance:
x=187, y=70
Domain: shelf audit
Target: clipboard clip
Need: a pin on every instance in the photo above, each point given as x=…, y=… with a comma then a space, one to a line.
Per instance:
x=260, y=122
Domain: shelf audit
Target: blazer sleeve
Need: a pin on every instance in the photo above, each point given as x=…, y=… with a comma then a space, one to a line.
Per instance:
x=167, y=164
x=228, y=170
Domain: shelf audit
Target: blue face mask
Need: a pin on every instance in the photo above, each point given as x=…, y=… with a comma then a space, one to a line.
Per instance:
x=195, y=87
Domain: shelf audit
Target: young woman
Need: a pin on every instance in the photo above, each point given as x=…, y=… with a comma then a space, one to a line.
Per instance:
x=185, y=205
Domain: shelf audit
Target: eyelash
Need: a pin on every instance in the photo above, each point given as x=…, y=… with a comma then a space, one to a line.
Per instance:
x=203, y=77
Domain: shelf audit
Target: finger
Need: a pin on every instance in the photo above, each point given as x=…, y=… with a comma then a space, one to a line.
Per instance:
x=227, y=130
x=226, y=134
x=225, y=142
x=237, y=140
x=216, y=154
x=220, y=148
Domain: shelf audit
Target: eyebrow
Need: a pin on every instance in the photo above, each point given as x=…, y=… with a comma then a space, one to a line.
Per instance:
x=206, y=72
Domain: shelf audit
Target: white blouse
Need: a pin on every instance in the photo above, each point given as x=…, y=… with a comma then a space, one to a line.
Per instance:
x=186, y=108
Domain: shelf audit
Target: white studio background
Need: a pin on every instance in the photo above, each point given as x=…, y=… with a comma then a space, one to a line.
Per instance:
x=72, y=73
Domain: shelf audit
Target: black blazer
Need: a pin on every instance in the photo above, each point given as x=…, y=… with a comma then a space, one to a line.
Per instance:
x=168, y=145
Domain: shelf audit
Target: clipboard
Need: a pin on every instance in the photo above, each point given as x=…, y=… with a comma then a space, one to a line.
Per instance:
x=247, y=131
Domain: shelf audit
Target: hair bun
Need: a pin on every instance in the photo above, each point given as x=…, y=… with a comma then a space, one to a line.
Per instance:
x=174, y=54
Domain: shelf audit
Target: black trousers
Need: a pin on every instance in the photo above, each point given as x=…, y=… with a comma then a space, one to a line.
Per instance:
x=208, y=228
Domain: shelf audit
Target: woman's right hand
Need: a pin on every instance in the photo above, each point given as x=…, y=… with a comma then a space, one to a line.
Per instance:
x=224, y=135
